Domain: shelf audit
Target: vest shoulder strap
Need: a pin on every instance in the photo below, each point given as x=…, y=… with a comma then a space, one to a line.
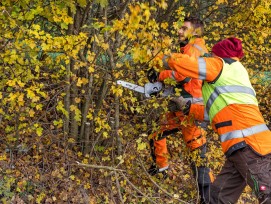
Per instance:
x=227, y=61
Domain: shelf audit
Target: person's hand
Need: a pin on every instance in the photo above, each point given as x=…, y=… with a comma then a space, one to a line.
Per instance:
x=152, y=75
x=179, y=104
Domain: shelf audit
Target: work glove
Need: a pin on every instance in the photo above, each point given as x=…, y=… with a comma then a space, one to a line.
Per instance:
x=179, y=104
x=153, y=170
x=152, y=89
x=152, y=75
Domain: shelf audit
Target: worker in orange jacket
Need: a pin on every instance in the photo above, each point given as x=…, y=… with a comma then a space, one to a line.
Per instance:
x=194, y=136
x=233, y=110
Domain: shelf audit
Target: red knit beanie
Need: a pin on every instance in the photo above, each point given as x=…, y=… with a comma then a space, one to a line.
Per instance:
x=230, y=47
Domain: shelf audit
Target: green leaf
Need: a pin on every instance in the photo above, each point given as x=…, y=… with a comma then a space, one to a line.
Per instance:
x=103, y=3
x=82, y=3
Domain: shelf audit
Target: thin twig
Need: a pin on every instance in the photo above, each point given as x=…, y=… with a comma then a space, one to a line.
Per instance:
x=160, y=188
x=98, y=167
x=139, y=191
x=118, y=187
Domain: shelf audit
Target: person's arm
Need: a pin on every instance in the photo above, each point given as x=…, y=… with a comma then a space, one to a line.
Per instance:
x=171, y=74
x=207, y=69
x=164, y=72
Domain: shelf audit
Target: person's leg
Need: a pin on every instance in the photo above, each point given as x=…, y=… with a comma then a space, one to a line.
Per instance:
x=256, y=170
x=228, y=185
x=169, y=124
x=203, y=176
x=194, y=137
x=193, y=134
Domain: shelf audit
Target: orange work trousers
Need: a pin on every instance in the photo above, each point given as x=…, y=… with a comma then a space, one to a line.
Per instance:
x=172, y=122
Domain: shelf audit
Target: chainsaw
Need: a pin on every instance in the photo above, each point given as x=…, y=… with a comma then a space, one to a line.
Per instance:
x=149, y=89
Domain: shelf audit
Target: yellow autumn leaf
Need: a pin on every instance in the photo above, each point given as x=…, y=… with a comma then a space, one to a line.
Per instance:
x=73, y=108
x=39, y=131
x=147, y=14
x=105, y=46
x=167, y=41
x=91, y=69
x=120, y=158
x=106, y=158
x=35, y=99
x=84, y=80
x=39, y=107
x=163, y=4
x=3, y=157
x=87, y=186
x=164, y=25
x=12, y=96
x=141, y=146
x=31, y=113
x=77, y=100
x=156, y=105
x=105, y=135
x=96, y=39
x=40, y=197
x=30, y=94
x=32, y=45
x=82, y=3
x=36, y=27
x=71, y=140
x=11, y=83
x=21, y=99
x=79, y=82
x=122, y=47
x=90, y=116
x=45, y=46
x=21, y=84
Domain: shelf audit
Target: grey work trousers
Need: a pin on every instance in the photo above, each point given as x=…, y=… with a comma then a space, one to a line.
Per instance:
x=243, y=167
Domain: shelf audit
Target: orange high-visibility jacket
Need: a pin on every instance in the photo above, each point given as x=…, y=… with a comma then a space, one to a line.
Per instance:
x=241, y=123
x=194, y=49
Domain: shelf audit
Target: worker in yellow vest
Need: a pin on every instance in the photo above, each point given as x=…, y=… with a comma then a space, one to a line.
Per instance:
x=231, y=104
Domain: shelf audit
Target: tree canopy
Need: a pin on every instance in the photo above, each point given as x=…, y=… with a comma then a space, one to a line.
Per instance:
x=69, y=134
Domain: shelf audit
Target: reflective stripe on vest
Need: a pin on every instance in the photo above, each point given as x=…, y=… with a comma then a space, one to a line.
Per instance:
x=227, y=89
x=206, y=116
x=243, y=133
x=202, y=68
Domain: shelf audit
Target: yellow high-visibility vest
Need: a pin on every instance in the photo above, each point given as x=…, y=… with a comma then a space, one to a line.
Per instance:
x=232, y=87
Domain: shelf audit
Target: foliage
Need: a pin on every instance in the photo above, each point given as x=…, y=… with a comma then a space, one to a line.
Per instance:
x=68, y=132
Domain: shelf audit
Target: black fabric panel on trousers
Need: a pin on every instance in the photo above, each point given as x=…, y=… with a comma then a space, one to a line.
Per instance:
x=152, y=150
x=194, y=139
x=166, y=133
